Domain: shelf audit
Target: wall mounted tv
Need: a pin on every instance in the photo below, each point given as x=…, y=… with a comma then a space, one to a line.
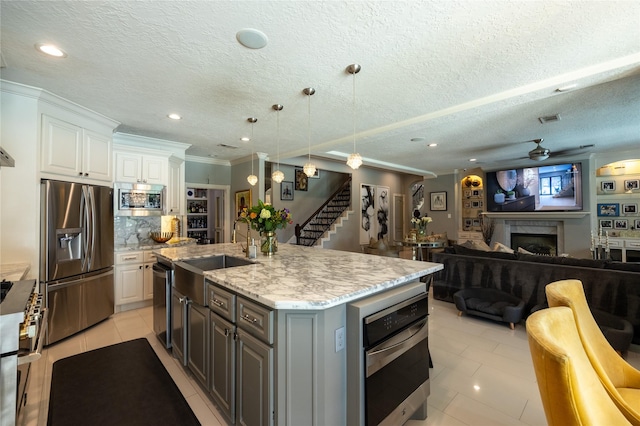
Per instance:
x=535, y=189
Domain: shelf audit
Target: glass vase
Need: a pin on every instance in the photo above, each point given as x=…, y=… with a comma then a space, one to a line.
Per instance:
x=269, y=243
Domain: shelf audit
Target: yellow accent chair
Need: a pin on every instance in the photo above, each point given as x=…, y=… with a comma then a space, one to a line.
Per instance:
x=570, y=389
x=621, y=380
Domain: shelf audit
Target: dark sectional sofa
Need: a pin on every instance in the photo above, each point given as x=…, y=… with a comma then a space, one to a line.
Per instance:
x=612, y=287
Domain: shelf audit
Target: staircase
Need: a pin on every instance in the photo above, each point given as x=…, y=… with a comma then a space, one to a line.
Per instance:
x=320, y=222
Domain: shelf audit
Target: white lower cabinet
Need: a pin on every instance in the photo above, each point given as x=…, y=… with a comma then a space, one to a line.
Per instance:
x=133, y=276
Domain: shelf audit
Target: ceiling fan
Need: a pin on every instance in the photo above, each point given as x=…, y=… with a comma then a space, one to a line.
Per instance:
x=540, y=153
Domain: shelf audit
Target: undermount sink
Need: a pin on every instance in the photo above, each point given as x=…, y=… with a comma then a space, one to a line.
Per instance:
x=189, y=274
x=217, y=262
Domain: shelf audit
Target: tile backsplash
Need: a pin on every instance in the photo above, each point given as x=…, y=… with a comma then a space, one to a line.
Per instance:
x=135, y=230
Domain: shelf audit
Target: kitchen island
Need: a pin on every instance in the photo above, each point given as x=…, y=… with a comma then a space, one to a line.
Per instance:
x=300, y=295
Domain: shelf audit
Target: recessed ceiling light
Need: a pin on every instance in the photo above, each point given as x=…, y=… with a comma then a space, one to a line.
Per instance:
x=472, y=159
x=432, y=145
x=245, y=139
x=174, y=116
x=51, y=50
x=418, y=139
x=252, y=38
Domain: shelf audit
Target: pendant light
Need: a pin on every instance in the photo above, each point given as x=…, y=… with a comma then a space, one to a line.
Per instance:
x=355, y=160
x=252, y=179
x=277, y=175
x=309, y=168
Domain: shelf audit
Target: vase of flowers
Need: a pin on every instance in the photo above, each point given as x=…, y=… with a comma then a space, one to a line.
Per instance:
x=265, y=219
x=420, y=224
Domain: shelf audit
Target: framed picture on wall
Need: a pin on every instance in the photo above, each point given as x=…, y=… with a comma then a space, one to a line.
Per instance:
x=608, y=209
x=438, y=201
x=620, y=224
x=637, y=224
x=286, y=190
x=606, y=223
x=608, y=185
x=630, y=185
x=302, y=181
x=316, y=175
x=243, y=200
x=630, y=209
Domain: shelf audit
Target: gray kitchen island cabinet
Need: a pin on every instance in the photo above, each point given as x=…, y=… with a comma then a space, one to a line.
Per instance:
x=292, y=358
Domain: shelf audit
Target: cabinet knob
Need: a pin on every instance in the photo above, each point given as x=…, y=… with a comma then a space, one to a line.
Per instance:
x=140, y=267
x=80, y=174
x=146, y=266
x=86, y=174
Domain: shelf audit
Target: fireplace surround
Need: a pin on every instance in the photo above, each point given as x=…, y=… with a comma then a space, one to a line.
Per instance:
x=535, y=228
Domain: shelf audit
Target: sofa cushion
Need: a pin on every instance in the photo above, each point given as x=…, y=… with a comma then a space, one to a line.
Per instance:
x=476, y=245
x=487, y=306
x=501, y=248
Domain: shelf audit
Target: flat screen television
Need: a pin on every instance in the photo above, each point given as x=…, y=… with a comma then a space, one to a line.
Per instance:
x=552, y=188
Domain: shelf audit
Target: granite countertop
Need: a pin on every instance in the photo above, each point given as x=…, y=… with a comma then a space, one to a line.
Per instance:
x=300, y=277
x=178, y=242
x=14, y=271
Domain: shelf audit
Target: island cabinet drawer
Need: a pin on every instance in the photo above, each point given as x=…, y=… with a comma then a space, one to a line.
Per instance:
x=221, y=302
x=129, y=257
x=255, y=319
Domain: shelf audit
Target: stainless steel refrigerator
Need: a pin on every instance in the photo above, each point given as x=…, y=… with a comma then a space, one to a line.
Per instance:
x=76, y=263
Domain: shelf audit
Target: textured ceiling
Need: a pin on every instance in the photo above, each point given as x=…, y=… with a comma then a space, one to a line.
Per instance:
x=471, y=76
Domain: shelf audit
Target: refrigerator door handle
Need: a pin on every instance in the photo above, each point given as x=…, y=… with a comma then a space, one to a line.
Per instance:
x=92, y=227
x=84, y=213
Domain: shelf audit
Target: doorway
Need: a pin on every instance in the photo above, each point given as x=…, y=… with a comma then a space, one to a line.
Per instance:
x=217, y=224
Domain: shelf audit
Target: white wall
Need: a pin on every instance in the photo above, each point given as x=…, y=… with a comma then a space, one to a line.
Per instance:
x=19, y=186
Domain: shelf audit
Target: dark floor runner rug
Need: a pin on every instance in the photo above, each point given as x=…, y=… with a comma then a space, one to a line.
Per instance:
x=122, y=384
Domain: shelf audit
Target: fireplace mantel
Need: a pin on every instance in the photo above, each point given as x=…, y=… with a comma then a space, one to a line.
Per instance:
x=536, y=215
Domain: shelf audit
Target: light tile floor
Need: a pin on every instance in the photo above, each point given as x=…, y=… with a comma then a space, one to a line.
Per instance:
x=482, y=372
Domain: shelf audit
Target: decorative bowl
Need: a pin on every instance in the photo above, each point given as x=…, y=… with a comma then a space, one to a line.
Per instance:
x=161, y=237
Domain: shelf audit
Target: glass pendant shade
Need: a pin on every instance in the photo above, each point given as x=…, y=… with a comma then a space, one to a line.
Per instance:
x=354, y=161
x=252, y=179
x=277, y=176
x=309, y=169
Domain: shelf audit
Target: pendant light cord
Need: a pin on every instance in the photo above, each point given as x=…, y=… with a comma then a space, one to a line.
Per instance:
x=309, y=126
x=278, y=136
x=354, y=112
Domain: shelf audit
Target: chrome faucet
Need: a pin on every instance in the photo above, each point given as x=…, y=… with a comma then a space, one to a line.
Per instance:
x=233, y=235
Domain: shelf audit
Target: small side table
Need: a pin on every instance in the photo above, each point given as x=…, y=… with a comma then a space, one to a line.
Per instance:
x=417, y=246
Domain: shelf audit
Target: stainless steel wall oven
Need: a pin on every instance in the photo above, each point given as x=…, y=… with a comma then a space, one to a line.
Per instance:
x=396, y=348
x=388, y=357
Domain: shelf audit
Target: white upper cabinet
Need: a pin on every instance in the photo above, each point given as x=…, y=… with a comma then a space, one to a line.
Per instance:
x=136, y=168
x=71, y=150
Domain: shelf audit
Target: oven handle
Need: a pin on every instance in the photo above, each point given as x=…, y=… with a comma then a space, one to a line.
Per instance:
x=387, y=351
x=35, y=355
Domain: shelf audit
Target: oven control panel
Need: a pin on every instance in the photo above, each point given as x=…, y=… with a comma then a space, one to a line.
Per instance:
x=389, y=321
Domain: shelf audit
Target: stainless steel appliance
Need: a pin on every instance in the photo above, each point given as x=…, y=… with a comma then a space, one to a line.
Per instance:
x=76, y=271
x=23, y=321
x=139, y=199
x=162, y=282
x=388, y=357
x=396, y=349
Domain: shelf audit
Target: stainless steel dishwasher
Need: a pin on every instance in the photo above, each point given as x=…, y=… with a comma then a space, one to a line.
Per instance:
x=162, y=282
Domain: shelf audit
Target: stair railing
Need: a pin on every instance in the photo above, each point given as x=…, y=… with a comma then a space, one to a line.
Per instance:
x=299, y=227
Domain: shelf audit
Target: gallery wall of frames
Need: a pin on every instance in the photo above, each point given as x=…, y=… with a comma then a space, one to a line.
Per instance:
x=618, y=200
